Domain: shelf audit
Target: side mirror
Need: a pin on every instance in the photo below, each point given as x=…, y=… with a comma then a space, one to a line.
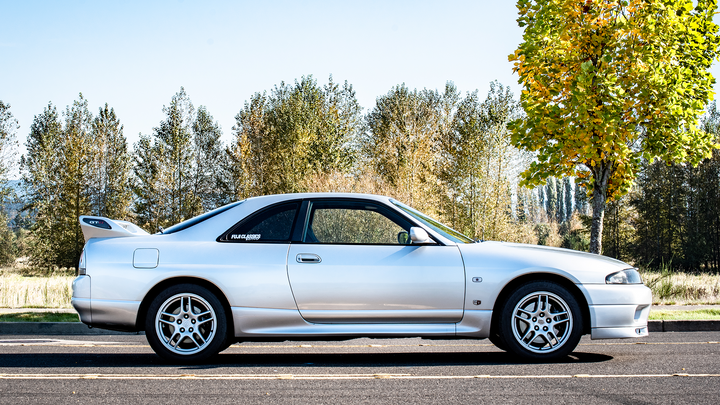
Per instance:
x=403, y=238
x=419, y=236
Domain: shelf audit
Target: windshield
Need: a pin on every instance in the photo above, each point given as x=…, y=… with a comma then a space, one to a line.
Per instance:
x=196, y=220
x=438, y=227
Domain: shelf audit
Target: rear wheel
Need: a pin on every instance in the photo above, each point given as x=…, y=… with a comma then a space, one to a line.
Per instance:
x=186, y=323
x=541, y=320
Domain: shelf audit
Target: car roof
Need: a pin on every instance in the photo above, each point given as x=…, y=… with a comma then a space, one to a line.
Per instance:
x=294, y=196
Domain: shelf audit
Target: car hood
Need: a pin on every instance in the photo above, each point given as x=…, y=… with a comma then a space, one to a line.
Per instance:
x=502, y=258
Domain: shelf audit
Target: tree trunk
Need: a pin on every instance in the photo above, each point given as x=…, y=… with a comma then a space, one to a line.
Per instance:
x=599, y=198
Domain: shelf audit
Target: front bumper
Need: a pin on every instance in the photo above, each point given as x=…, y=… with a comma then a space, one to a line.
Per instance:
x=618, y=311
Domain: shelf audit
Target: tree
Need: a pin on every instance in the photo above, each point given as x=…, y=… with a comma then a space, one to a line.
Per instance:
x=206, y=170
x=146, y=184
x=285, y=139
x=39, y=168
x=678, y=210
x=57, y=172
x=8, y=130
x=111, y=192
x=74, y=176
x=401, y=141
x=609, y=82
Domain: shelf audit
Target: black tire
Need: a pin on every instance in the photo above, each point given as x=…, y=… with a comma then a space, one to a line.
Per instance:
x=186, y=323
x=540, y=320
x=498, y=341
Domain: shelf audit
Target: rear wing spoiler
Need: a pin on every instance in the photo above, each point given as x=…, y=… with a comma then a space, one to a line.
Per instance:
x=101, y=227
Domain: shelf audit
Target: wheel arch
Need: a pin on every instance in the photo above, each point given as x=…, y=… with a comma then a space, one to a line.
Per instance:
x=526, y=278
x=145, y=304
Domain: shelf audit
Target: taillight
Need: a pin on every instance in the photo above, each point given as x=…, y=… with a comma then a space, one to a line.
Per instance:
x=82, y=270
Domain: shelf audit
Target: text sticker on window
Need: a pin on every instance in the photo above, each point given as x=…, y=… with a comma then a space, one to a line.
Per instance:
x=248, y=236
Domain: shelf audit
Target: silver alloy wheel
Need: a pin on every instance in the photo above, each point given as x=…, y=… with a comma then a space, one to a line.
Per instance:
x=185, y=323
x=542, y=322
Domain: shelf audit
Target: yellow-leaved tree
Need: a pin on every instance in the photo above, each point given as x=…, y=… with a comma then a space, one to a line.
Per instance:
x=608, y=83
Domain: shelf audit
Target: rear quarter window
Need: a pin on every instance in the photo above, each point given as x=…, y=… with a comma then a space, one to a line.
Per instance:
x=273, y=224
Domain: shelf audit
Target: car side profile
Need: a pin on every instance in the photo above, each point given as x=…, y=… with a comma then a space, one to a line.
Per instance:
x=332, y=266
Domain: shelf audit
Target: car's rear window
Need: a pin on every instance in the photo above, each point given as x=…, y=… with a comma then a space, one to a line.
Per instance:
x=273, y=224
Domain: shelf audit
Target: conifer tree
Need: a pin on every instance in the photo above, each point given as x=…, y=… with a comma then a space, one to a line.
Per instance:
x=111, y=192
x=206, y=169
x=40, y=168
x=8, y=130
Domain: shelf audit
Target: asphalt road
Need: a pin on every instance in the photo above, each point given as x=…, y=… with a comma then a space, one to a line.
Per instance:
x=662, y=368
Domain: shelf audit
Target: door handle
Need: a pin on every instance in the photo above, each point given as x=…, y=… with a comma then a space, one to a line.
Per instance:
x=307, y=258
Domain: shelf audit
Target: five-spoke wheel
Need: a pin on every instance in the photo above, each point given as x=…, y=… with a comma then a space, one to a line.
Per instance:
x=186, y=322
x=540, y=320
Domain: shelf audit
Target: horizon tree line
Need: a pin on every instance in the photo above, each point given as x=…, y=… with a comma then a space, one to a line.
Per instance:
x=446, y=153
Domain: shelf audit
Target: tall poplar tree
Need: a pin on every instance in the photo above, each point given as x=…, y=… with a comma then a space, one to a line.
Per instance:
x=401, y=142
x=609, y=82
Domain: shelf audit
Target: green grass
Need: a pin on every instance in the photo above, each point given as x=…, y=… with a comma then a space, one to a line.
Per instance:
x=39, y=317
x=694, y=315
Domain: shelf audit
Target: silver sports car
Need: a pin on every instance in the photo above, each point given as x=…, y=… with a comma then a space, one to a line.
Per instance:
x=341, y=266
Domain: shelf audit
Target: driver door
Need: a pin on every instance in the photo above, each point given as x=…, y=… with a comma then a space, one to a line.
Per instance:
x=354, y=265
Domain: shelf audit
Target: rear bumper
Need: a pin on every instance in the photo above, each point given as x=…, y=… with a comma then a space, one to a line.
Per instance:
x=82, y=306
x=107, y=314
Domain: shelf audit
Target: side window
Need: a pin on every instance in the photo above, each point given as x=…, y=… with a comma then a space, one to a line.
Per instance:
x=339, y=222
x=274, y=224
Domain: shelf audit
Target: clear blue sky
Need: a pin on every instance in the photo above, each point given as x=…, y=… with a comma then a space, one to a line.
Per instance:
x=134, y=55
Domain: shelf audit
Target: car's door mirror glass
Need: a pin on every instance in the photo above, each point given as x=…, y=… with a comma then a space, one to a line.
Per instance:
x=403, y=238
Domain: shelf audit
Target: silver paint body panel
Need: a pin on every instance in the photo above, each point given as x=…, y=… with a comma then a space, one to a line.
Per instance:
x=385, y=284
x=354, y=290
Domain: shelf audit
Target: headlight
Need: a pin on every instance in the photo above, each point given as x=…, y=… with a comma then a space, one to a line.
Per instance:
x=629, y=276
x=81, y=266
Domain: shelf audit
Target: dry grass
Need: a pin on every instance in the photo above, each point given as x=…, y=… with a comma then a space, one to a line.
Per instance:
x=21, y=287
x=677, y=288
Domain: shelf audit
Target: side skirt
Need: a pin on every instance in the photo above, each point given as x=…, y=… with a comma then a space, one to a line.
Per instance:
x=266, y=323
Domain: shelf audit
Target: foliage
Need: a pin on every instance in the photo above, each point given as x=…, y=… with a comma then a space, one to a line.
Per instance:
x=400, y=142
x=478, y=165
x=679, y=210
x=8, y=129
x=70, y=169
x=283, y=139
x=111, y=192
x=610, y=82
x=175, y=173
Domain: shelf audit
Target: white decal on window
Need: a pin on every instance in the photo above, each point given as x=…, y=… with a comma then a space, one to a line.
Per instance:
x=248, y=236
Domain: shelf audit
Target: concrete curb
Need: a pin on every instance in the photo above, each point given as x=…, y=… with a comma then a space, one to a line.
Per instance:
x=77, y=328
x=711, y=325
x=55, y=328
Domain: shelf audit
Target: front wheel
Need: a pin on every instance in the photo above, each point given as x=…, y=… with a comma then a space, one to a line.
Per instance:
x=186, y=323
x=541, y=320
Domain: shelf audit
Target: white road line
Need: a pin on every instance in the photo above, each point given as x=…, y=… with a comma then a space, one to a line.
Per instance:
x=322, y=376
x=85, y=343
